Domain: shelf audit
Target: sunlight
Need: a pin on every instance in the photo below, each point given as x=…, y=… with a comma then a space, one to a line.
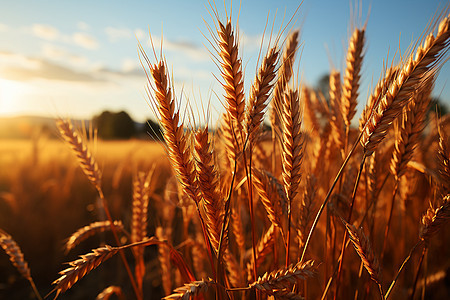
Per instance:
x=11, y=93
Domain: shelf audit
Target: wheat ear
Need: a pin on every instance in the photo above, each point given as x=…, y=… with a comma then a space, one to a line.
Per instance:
x=80, y=267
x=410, y=130
x=190, y=290
x=374, y=99
x=365, y=252
x=284, y=278
x=267, y=188
x=139, y=223
x=435, y=219
x=90, y=230
x=427, y=58
x=352, y=75
x=209, y=184
x=109, y=291
x=174, y=135
x=231, y=72
x=16, y=257
x=259, y=93
x=292, y=155
x=337, y=121
x=87, y=161
x=284, y=75
x=443, y=162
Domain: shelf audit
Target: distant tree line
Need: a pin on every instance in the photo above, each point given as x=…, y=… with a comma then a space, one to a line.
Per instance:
x=119, y=125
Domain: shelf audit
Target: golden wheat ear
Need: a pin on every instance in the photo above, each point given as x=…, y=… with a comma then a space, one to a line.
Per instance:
x=87, y=162
x=190, y=290
x=282, y=280
x=16, y=257
x=427, y=59
x=88, y=231
x=109, y=291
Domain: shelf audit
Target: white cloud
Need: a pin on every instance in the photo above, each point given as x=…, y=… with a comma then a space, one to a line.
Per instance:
x=53, y=52
x=129, y=65
x=85, y=40
x=46, y=32
x=140, y=34
x=83, y=26
x=117, y=34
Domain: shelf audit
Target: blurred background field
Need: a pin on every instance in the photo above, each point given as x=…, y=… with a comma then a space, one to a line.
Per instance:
x=45, y=197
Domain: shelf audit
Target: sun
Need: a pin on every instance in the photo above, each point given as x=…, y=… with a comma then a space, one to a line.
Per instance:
x=11, y=94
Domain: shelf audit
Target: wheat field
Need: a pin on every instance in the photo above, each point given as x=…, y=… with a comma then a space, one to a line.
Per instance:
x=318, y=205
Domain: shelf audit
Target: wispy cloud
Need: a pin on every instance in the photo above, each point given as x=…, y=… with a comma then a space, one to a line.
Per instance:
x=118, y=34
x=22, y=68
x=46, y=32
x=83, y=26
x=85, y=40
x=58, y=53
x=3, y=27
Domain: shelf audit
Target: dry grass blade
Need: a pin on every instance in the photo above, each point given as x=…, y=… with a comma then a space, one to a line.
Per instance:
x=191, y=289
x=352, y=75
x=109, y=291
x=260, y=92
x=435, y=219
x=284, y=278
x=208, y=181
x=413, y=73
x=87, y=161
x=90, y=230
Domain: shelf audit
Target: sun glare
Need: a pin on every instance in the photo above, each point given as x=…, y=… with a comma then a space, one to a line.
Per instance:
x=11, y=93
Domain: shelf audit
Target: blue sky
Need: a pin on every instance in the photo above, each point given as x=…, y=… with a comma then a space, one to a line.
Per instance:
x=77, y=58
